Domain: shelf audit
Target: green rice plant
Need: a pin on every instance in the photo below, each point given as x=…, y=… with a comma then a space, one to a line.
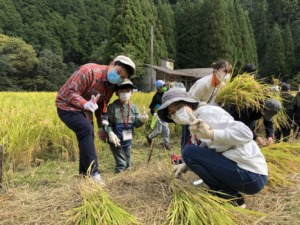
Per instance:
x=97, y=208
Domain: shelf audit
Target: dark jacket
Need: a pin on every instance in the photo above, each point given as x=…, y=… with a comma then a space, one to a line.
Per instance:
x=156, y=102
x=297, y=108
x=288, y=104
x=249, y=117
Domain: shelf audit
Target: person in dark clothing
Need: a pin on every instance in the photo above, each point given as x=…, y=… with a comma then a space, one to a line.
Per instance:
x=296, y=105
x=287, y=103
x=250, y=116
x=251, y=68
x=160, y=126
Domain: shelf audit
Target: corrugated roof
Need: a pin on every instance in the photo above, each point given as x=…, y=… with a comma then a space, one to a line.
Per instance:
x=196, y=72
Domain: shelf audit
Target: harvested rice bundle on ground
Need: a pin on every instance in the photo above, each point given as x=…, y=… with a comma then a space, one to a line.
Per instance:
x=246, y=92
x=196, y=206
x=97, y=208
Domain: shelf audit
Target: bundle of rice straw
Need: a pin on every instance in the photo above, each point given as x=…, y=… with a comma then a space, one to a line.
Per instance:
x=245, y=92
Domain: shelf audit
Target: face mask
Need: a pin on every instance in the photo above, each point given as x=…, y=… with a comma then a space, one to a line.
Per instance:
x=164, y=89
x=181, y=117
x=114, y=78
x=125, y=96
x=221, y=77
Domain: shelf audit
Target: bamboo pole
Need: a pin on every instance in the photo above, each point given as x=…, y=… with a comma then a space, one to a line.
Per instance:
x=151, y=150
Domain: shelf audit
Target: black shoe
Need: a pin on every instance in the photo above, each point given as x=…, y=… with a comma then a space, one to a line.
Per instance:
x=239, y=201
x=148, y=140
x=166, y=146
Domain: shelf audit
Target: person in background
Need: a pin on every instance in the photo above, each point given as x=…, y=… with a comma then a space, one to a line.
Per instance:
x=123, y=117
x=160, y=126
x=251, y=69
x=89, y=90
x=250, y=116
x=206, y=88
x=287, y=103
x=296, y=105
x=221, y=150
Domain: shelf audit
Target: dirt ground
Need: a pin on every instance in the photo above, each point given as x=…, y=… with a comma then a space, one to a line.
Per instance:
x=42, y=195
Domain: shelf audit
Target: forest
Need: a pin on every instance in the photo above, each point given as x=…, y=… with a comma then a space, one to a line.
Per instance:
x=42, y=42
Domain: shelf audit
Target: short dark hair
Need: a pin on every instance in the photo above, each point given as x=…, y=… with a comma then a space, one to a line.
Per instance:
x=249, y=68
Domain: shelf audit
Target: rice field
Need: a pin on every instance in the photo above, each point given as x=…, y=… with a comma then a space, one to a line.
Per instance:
x=41, y=186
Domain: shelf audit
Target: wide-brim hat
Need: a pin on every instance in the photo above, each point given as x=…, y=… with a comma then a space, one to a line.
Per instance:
x=174, y=95
x=272, y=107
x=125, y=83
x=126, y=61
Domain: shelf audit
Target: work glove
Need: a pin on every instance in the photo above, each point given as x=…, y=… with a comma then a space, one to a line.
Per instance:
x=144, y=117
x=114, y=139
x=201, y=130
x=92, y=104
x=179, y=169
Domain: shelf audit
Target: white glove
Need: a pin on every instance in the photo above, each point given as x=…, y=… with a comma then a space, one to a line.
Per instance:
x=114, y=139
x=143, y=118
x=201, y=130
x=155, y=115
x=92, y=104
x=179, y=169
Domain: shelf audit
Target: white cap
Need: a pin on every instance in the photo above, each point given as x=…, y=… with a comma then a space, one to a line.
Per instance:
x=126, y=61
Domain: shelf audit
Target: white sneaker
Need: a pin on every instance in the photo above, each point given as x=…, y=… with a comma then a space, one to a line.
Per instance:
x=97, y=178
x=197, y=182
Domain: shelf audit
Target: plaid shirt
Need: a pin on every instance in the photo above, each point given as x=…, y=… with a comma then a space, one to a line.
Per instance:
x=90, y=79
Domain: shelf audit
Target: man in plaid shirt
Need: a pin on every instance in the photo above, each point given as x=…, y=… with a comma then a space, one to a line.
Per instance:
x=89, y=90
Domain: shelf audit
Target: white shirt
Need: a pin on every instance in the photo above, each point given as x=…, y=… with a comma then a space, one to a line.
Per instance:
x=233, y=138
x=203, y=90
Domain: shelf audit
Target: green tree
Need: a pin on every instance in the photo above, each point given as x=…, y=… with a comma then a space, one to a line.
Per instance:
x=289, y=51
x=166, y=16
x=10, y=19
x=51, y=72
x=260, y=25
x=127, y=32
x=274, y=58
x=295, y=28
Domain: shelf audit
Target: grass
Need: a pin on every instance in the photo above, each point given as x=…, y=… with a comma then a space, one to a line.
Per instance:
x=41, y=185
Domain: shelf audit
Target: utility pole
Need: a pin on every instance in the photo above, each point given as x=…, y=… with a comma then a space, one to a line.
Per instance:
x=152, y=73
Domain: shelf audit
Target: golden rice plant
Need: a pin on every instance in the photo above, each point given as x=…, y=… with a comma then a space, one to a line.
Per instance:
x=195, y=206
x=97, y=208
x=282, y=159
x=245, y=91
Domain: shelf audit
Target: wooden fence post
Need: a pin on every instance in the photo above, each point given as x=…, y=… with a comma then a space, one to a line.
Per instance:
x=1, y=164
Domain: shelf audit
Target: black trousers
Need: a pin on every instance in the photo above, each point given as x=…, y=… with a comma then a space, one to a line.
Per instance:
x=84, y=131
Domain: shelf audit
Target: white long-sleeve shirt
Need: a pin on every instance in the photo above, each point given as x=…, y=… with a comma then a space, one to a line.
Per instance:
x=205, y=89
x=233, y=139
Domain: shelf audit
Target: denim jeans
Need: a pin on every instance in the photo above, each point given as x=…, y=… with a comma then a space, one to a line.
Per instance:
x=84, y=131
x=122, y=156
x=161, y=127
x=220, y=173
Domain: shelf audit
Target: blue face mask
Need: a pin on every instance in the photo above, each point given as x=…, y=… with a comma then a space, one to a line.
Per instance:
x=114, y=78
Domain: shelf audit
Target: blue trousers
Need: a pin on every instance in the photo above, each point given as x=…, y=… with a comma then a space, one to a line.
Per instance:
x=84, y=131
x=220, y=173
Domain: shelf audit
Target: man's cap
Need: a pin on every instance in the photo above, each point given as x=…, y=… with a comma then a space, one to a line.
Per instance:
x=285, y=87
x=272, y=107
x=174, y=95
x=159, y=84
x=127, y=62
x=126, y=83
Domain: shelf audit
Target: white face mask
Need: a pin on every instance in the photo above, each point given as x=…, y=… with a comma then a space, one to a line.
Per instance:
x=124, y=96
x=221, y=77
x=181, y=117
